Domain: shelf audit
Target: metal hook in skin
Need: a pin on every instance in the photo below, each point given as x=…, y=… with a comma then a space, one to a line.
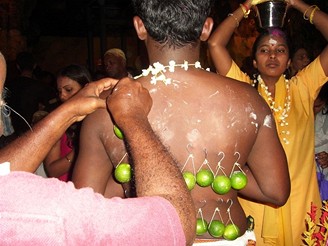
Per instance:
x=203, y=202
x=238, y=156
x=231, y=202
x=205, y=150
x=188, y=148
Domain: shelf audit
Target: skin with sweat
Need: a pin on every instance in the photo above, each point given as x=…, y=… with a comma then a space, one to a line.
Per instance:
x=198, y=116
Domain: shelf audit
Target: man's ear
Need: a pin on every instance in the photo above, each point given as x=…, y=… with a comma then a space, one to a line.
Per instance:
x=140, y=28
x=207, y=29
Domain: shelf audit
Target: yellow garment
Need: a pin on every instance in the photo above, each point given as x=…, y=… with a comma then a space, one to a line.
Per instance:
x=285, y=225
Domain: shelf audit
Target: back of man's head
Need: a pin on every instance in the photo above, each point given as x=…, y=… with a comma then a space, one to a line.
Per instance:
x=173, y=22
x=25, y=61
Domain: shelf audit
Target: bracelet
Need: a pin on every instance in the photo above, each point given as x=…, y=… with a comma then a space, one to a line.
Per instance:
x=312, y=13
x=68, y=159
x=237, y=22
x=245, y=10
x=305, y=12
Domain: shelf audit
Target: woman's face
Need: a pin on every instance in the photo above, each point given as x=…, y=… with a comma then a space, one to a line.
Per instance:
x=272, y=56
x=300, y=60
x=67, y=88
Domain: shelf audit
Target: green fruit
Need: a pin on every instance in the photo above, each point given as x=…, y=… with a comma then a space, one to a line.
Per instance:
x=216, y=228
x=204, y=177
x=118, y=132
x=238, y=180
x=221, y=184
x=189, y=179
x=231, y=232
x=201, y=227
x=122, y=173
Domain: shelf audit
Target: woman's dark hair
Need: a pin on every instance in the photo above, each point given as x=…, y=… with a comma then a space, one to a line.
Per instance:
x=81, y=75
x=77, y=73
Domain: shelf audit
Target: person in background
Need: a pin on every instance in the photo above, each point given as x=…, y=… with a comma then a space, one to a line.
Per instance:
x=55, y=213
x=59, y=162
x=115, y=64
x=300, y=58
x=200, y=117
x=26, y=93
x=291, y=102
x=321, y=140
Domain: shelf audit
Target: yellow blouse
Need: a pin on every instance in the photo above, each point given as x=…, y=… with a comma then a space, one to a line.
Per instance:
x=285, y=225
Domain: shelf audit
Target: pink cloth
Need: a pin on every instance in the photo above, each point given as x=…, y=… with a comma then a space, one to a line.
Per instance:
x=65, y=149
x=39, y=211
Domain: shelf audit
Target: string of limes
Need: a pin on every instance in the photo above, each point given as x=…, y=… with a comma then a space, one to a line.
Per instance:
x=123, y=171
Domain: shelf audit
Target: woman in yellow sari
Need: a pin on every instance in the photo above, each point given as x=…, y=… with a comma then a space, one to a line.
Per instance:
x=291, y=102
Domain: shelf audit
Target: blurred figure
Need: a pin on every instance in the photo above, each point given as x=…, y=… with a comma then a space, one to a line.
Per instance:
x=321, y=140
x=300, y=58
x=59, y=161
x=115, y=64
x=26, y=93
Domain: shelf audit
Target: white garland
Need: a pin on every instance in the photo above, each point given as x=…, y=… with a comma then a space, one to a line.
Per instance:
x=158, y=70
x=281, y=114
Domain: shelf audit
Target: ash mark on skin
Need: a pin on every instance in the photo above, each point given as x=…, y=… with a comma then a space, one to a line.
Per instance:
x=167, y=134
x=215, y=93
x=272, y=41
x=268, y=121
x=253, y=116
x=193, y=136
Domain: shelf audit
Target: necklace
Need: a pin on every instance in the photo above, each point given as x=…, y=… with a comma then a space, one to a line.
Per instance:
x=158, y=70
x=281, y=114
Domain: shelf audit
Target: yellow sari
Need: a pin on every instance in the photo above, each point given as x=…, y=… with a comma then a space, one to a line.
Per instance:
x=285, y=225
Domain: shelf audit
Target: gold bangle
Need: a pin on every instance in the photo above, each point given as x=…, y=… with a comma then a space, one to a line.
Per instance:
x=245, y=10
x=237, y=22
x=68, y=159
x=305, y=12
x=312, y=13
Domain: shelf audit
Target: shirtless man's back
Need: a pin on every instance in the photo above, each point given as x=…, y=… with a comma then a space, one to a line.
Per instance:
x=202, y=118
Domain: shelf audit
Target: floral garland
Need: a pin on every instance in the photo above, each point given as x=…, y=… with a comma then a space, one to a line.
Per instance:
x=281, y=114
x=158, y=70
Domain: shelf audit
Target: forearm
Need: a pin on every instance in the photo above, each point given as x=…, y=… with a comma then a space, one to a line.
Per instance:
x=59, y=166
x=223, y=33
x=220, y=38
x=314, y=15
x=34, y=146
x=157, y=174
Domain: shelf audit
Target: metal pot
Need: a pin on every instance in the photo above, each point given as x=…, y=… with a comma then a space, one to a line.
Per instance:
x=271, y=13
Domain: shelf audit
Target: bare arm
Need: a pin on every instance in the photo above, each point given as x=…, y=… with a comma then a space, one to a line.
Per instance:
x=268, y=166
x=93, y=167
x=320, y=21
x=220, y=38
x=28, y=151
x=156, y=172
x=54, y=164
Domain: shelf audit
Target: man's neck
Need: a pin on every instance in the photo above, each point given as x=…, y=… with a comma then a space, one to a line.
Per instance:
x=179, y=55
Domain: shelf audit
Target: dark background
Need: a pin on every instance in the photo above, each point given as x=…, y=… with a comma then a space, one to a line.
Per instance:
x=46, y=23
